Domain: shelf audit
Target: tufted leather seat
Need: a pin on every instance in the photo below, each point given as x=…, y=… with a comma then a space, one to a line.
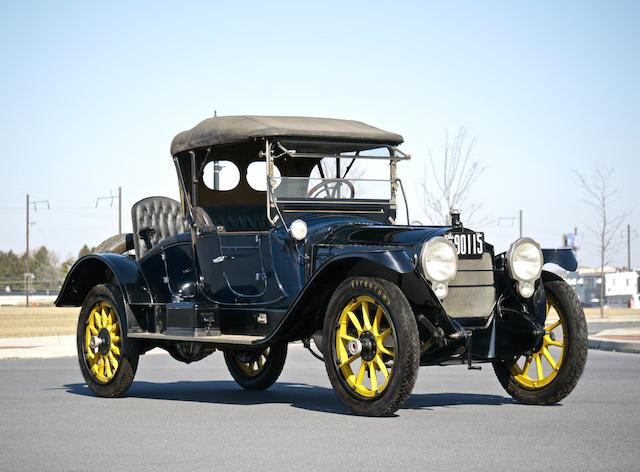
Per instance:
x=164, y=216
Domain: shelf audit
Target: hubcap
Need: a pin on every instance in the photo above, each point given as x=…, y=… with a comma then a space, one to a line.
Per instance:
x=354, y=346
x=548, y=359
x=102, y=342
x=365, y=346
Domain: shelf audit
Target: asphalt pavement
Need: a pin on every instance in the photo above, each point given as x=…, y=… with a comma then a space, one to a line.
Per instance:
x=194, y=417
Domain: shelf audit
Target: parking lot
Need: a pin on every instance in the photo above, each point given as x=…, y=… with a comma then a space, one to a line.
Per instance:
x=194, y=417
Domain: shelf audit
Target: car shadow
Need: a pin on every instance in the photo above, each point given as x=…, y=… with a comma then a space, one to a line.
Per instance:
x=298, y=395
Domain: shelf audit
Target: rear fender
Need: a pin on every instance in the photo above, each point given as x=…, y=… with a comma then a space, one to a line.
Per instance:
x=95, y=269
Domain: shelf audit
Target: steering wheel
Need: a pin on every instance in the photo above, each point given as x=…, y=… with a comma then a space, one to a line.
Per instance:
x=331, y=191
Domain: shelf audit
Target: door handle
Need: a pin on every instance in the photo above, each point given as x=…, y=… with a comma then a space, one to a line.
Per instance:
x=219, y=259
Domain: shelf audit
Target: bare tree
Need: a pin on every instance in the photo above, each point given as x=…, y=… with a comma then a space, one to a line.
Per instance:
x=453, y=177
x=599, y=196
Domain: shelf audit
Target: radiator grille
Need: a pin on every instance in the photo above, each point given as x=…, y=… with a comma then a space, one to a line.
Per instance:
x=471, y=293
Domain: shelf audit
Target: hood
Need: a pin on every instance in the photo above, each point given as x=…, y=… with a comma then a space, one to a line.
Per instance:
x=346, y=230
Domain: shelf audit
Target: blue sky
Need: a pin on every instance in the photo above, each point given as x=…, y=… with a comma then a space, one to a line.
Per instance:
x=92, y=94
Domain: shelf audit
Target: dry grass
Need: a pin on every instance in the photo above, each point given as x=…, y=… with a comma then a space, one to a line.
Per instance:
x=37, y=321
x=611, y=312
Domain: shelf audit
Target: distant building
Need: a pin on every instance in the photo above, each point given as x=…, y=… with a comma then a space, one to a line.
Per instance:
x=620, y=288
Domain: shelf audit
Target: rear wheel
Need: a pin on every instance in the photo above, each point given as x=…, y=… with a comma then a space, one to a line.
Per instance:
x=256, y=370
x=108, y=359
x=372, y=351
x=547, y=376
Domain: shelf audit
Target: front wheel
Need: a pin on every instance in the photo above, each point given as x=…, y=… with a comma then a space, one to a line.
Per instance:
x=256, y=370
x=547, y=376
x=371, y=346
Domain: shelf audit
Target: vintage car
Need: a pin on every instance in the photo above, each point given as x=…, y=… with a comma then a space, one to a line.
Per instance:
x=286, y=231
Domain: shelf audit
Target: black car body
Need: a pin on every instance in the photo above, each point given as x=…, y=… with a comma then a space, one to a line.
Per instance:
x=245, y=270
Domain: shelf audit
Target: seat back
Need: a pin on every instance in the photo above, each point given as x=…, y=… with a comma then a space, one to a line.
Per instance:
x=163, y=214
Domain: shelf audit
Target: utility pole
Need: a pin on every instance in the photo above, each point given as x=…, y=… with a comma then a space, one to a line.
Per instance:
x=26, y=257
x=119, y=210
x=629, y=247
x=520, y=218
x=512, y=219
x=28, y=276
x=111, y=198
x=575, y=243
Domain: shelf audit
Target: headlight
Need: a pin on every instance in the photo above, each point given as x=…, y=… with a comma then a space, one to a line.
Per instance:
x=525, y=264
x=298, y=230
x=439, y=263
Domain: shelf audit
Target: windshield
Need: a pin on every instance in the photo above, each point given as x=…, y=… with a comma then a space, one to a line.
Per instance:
x=334, y=178
x=290, y=188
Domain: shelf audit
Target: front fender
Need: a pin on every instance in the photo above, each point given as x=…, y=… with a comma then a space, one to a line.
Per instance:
x=95, y=269
x=565, y=258
x=305, y=314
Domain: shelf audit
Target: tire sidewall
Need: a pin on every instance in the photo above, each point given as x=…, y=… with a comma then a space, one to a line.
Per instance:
x=403, y=321
x=128, y=351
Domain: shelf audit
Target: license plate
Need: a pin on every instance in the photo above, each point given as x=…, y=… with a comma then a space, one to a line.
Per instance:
x=470, y=244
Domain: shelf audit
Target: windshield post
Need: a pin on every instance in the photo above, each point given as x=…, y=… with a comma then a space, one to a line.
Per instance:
x=269, y=160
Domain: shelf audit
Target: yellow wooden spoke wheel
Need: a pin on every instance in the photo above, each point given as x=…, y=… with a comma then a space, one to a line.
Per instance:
x=548, y=375
x=371, y=346
x=256, y=370
x=108, y=358
x=365, y=346
x=102, y=342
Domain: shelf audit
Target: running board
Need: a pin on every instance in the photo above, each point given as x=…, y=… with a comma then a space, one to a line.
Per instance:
x=220, y=339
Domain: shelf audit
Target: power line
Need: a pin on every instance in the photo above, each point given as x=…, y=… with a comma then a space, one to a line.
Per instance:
x=111, y=198
x=512, y=219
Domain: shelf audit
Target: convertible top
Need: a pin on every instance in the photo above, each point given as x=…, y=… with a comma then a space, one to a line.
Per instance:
x=218, y=131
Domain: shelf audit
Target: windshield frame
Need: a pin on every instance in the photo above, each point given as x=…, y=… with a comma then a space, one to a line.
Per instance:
x=276, y=150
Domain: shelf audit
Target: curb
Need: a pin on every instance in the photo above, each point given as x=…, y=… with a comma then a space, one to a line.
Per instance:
x=631, y=347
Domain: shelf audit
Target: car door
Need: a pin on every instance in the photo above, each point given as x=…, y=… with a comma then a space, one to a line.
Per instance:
x=237, y=267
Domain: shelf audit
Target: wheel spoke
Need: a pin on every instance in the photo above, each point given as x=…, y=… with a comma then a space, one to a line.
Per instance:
x=376, y=322
x=107, y=367
x=103, y=321
x=113, y=361
x=115, y=349
x=349, y=360
x=549, y=358
x=384, y=334
x=365, y=315
x=383, y=349
x=260, y=362
x=382, y=367
x=552, y=326
x=355, y=322
x=539, y=366
x=373, y=376
x=97, y=321
x=361, y=372
x=552, y=342
x=346, y=337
